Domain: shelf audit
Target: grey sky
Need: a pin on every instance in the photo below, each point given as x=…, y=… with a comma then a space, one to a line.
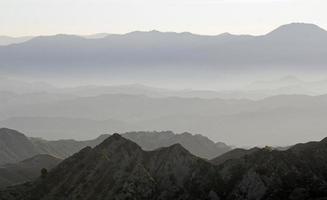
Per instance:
x=44, y=17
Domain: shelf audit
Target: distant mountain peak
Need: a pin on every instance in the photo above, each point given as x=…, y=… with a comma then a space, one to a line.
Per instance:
x=116, y=142
x=55, y=38
x=114, y=138
x=293, y=29
x=7, y=131
x=226, y=35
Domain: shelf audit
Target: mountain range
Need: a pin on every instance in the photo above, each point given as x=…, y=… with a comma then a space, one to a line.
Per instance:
x=7, y=40
x=279, y=120
x=15, y=146
x=119, y=169
x=292, y=46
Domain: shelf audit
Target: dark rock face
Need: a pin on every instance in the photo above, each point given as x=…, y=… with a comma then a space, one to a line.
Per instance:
x=119, y=169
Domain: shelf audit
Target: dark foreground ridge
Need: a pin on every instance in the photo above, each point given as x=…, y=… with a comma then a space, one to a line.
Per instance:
x=119, y=169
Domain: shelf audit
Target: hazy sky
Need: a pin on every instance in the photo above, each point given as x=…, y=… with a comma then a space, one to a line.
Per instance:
x=44, y=17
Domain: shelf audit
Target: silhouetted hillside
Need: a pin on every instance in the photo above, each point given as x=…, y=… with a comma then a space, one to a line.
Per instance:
x=120, y=169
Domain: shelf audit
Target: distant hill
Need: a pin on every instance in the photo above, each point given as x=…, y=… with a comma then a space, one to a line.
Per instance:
x=64, y=148
x=26, y=170
x=292, y=46
x=15, y=146
x=198, y=145
x=6, y=40
x=15, y=92
x=277, y=120
x=119, y=169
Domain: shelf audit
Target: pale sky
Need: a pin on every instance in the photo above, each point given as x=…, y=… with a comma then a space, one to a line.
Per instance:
x=210, y=17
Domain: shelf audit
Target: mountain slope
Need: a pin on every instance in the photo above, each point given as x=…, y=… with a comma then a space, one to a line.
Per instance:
x=26, y=170
x=120, y=169
x=197, y=144
x=15, y=146
x=6, y=40
x=297, y=173
x=233, y=154
x=64, y=148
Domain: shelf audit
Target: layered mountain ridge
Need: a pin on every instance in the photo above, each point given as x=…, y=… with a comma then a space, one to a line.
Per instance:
x=16, y=146
x=290, y=46
x=119, y=169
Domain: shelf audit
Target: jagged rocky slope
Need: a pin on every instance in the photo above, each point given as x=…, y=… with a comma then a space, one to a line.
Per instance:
x=119, y=169
x=297, y=173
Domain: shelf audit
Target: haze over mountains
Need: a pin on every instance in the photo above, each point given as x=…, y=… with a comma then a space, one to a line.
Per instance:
x=8, y=40
x=153, y=115
x=279, y=120
x=276, y=111
x=145, y=54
